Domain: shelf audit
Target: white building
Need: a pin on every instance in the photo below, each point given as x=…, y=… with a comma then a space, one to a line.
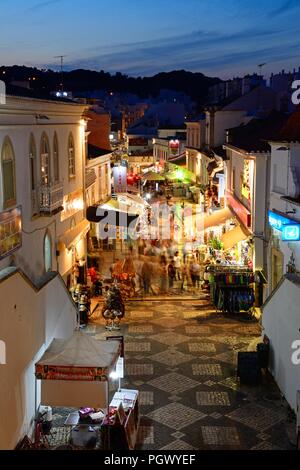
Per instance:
x=170, y=143
x=42, y=237
x=281, y=314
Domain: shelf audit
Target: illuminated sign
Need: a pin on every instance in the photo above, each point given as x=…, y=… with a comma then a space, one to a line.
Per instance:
x=239, y=209
x=120, y=179
x=291, y=233
x=10, y=231
x=278, y=221
x=72, y=203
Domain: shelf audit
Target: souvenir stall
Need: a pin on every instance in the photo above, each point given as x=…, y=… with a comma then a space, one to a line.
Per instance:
x=80, y=373
x=231, y=288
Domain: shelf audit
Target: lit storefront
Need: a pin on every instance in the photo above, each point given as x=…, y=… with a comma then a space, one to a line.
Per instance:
x=10, y=231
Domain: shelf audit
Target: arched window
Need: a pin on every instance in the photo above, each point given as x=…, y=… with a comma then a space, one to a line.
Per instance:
x=71, y=156
x=48, y=252
x=45, y=160
x=8, y=173
x=32, y=170
x=55, y=158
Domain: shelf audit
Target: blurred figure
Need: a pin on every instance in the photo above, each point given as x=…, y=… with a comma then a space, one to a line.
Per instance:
x=146, y=276
x=184, y=275
x=195, y=273
x=163, y=270
x=171, y=274
x=177, y=265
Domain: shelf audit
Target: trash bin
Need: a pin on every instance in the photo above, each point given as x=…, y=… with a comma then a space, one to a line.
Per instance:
x=248, y=368
x=263, y=354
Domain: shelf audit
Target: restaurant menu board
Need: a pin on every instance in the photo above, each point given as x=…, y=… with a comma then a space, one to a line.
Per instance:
x=10, y=231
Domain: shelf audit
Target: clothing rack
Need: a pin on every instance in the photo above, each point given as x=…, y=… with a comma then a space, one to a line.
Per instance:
x=230, y=288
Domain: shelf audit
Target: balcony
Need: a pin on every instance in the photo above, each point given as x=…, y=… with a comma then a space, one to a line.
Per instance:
x=51, y=198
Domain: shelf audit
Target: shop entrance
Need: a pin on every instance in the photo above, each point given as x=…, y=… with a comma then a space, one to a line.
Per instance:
x=277, y=267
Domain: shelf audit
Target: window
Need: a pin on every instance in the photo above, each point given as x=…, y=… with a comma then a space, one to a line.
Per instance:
x=71, y=156
x=32, y=170
x=48, y=252
x=55, y=158
x=233, y=180
x=45, y=160
x=8, y=174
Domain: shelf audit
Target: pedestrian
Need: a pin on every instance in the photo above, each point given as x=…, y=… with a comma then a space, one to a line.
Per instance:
x=163, y=275
x=184, y=275
x=171, y=273
x=195, y=273
x=177, y=265
x=146, y=276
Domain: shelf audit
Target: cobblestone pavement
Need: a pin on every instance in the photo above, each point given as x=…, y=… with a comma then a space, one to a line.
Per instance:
x=182, y=357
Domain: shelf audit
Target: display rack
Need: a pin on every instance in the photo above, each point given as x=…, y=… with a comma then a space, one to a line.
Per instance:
x=231, y=288
x=120, y=429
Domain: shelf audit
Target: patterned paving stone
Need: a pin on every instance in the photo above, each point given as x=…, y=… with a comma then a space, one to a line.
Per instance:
x=178, y=435
x=174, y=398
x=263, y=437
x=140, y=329
x=206, y=369
x=145, y=435
x=139, y=369
x=137, y=347
x=146, y=398
x=220, y=436
x=177, y=445
x=230, y=357
x=197, y=329
x=170, y=339
x=201, y=347
x=142, y=314
x=193, y=314
x=212, y=399
x=169, y=323
x=256, y=416
x=216, y=415
x=173, y=383
x=171, y=357
x=266, y=446
x=209, y=383
x=230, y=382
x=176, y=416
x=230, y=340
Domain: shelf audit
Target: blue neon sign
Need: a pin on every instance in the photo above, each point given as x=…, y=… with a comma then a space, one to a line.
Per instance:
x=291, y=233
x=277, y=221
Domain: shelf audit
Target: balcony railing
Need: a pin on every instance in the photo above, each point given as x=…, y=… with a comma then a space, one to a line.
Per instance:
x=51, y=198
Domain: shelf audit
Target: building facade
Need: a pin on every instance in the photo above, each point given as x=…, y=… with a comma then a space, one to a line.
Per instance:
x=42, y=243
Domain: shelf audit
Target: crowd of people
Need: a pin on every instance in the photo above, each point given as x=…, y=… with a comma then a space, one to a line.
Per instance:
x=161, y=268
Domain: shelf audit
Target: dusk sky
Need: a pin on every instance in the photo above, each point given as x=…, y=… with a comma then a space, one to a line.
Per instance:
x=143, y=37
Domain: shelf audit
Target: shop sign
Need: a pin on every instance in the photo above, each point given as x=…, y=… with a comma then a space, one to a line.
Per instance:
x=239, y=209
x=291, y=233
x=72, y=203
x=246, y=193
x=10, y=231
x=120, y=179
x=277, y=221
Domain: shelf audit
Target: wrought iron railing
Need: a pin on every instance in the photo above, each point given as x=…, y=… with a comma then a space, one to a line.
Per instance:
x=51, y=197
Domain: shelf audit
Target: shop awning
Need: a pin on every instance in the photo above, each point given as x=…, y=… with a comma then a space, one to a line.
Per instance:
x=114, y=218
x=71, y=236
x=153, y=176
x=231, y=238
x=73, y=372
x=217, y=218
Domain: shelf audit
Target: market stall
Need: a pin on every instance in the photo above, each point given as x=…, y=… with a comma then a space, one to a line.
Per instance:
x=76, y=372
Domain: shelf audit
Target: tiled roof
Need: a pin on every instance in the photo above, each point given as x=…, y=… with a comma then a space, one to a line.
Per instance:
x=291, y=130
x=255, y=136
x=94, y=152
